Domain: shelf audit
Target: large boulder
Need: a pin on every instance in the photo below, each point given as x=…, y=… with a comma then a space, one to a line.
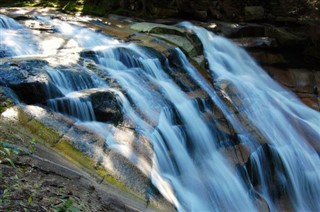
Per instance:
x=173, y=35
x=180, y=42
x=106, y=106
x=157, y=28
x=29, y=80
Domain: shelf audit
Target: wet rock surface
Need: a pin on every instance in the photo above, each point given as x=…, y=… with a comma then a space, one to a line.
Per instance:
x=43, y=180
x=32, y=85
x=28, y=78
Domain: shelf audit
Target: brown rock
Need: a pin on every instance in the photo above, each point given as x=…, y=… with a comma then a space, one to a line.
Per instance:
x=304, y=80
x=268, y=58
x=282, y=76
x=310, y=100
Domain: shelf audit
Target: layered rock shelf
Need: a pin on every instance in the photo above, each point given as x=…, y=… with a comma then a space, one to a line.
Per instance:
x=45, y=95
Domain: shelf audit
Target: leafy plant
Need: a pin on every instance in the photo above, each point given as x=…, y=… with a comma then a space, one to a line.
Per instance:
x=32, y=145
x=66, y=206
x=6, y=153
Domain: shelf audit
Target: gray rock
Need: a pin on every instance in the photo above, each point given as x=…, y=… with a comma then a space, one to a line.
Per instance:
x=180, y=42
x=29, y=80
x=157, y=28
x=256, y=42
x=106, y=106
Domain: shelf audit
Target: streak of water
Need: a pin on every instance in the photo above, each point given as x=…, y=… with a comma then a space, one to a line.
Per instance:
x=15, y=39
x=281, y=118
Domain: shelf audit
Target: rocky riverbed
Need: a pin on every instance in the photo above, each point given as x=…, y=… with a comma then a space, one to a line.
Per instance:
x=70, y=165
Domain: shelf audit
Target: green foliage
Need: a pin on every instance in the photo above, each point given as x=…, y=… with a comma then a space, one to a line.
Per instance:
x=32, y=145
x=30, y=199
x=6, y=153
x=66, y=206
x=65, y=5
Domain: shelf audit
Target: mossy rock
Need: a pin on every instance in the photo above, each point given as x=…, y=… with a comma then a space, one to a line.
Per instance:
x=180, y=42
x=157, y=29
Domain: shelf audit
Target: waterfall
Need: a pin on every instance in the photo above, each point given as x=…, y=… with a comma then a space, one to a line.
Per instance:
x=15, y=39
x=197, y=178
x=285, y=122
x=188, y=167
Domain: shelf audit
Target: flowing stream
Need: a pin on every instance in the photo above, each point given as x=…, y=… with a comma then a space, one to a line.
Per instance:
x=187, y=167
x=277, y=114
x=15, y=39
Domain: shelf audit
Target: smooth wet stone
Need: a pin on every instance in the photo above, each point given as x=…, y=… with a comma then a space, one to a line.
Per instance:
x=157, y=28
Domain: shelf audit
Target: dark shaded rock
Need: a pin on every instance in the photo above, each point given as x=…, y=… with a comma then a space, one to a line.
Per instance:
x=286, y=20
x=201, y=15
x=236, y=30
x=89, y=55
x=31, y=92
x=284, y=38
x=254, y=13
x=312, y=55
x=215, y=10
x=256, y=42
x=165, y=12
x=29, y=80
x=23, y=17
x=266, y=58
x=106, y=106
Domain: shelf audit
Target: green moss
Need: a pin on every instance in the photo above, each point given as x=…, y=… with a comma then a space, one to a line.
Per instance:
x=48, y=136
x=110, y=179
x=73, y=154
x=79, y=158
x=37, y=128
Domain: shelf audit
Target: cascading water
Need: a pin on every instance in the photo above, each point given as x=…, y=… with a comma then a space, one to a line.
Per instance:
x=15, y=39
x=281, y=118
x=188, y=168
x=197, y=179
x=70, y=84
